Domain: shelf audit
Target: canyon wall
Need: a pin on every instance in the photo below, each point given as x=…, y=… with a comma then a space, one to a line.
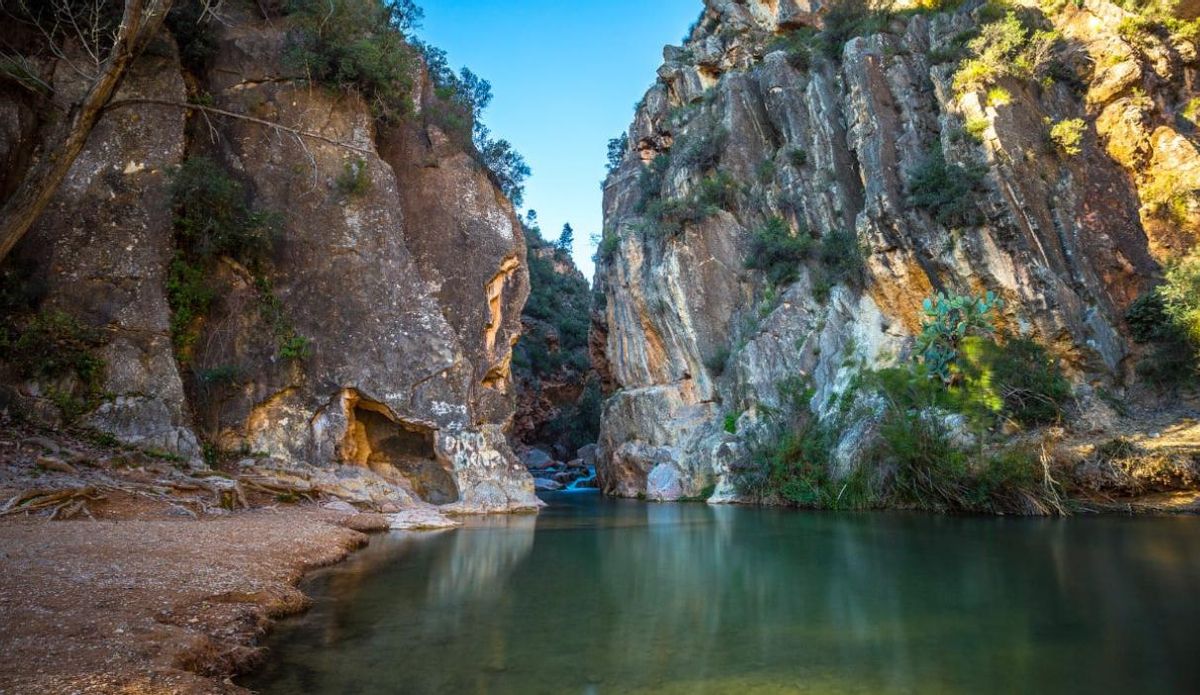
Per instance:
x=749, y=131
x=369, y=353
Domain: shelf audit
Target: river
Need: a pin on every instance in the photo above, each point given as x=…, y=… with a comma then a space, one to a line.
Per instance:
x=597, y=595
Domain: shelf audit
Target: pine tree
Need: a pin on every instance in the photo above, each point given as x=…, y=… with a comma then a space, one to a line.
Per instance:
x=566, y=240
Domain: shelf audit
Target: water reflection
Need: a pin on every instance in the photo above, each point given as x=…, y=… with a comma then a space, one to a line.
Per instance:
x=600, y=596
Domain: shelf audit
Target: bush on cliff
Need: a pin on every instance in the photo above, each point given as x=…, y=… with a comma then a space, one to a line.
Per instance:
x=359, y=43
x=1020, y=45
x=947, y=191
x=213, y=219
x=51, y=346
x=912, y=460
x=366, y=45
x=1181, y=296
x=1168, y=318
x=667, y=217
x=778, y=252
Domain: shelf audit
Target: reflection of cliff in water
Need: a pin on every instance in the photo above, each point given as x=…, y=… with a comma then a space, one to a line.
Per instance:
x=621, y=596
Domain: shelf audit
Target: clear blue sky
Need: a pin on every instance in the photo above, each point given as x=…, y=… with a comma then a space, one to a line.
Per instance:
x=565, y=75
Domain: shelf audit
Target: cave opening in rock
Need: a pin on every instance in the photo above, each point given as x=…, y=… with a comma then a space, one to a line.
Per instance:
x=403, y=453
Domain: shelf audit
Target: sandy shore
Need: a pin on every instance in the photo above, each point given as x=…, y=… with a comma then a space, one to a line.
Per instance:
x=142, y=581
x=152, y=606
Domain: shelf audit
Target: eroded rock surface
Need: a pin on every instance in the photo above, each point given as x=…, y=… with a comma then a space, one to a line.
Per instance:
x=408, y=289
x=697, y=345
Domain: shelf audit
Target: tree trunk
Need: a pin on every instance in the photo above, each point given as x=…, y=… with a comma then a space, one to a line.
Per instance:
x=139, y=22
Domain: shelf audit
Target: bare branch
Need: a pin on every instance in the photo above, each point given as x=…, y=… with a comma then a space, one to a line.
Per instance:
x=242, y=117
x=140, y=20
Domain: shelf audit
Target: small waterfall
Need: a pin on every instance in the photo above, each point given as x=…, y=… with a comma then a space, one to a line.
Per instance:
x=580, y=485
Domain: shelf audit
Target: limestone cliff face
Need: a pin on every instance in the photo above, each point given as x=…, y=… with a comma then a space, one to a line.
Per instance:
x=409, y=290
x=692, y=336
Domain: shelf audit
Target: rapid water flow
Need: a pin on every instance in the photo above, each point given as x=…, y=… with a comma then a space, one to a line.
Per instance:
x=583, y=484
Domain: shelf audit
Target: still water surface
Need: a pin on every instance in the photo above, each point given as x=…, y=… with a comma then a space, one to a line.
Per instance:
x=614, y=596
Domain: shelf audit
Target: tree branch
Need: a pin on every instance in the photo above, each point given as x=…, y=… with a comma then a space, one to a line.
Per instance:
x=141, y=19
x=242, y=117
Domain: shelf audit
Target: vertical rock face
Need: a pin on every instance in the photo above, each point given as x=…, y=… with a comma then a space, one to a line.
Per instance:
x=100, y=253
x=698, y=343
x=408, y=289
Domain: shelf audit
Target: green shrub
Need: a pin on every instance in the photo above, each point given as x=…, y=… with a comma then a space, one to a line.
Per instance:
x=1171, y=360
x=606, y=249
x=766, y=171
x=798, y=156
x=667, y=218
x=222, y=375
x=190, y=293
x=947, y=191
x=1155, y=22
x=1180, y=293
x=998, y=96
x=354, y=180
x=617, y=147
x=1019, y=376
x=359, y=44
x=1014, y=480
x=212, y=217
x=929, y=469
x=731, y=420
x=976, y=126
x=53, y=345
x=932, y=473
x=799, y=45
x=192, y=26
x=717, y=362
x=650, y=181
x=503, y=163
x=1067, y=135
x=776, y=251
x=289, y=344
x=717, y=192
x=1014, y=46
x=1168, y=317
x=1168, y=197
x=847, y=19
x=701, y=146
x=842, y=256
x=1147, y=319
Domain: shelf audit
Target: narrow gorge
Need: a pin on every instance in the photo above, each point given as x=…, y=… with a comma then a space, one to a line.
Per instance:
x=865, y=277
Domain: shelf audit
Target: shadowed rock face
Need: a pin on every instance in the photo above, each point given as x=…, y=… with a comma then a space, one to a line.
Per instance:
x=410, y=292
x=691, y=335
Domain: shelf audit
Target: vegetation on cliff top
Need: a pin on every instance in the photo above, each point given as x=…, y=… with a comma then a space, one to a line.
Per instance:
x=367, y=45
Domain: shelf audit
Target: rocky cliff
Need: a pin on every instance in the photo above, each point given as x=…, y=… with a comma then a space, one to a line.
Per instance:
x=1062, y=181
x=366, y=348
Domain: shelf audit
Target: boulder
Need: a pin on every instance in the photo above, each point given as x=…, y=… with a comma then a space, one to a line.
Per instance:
x=536, y=459
x=546, y=485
